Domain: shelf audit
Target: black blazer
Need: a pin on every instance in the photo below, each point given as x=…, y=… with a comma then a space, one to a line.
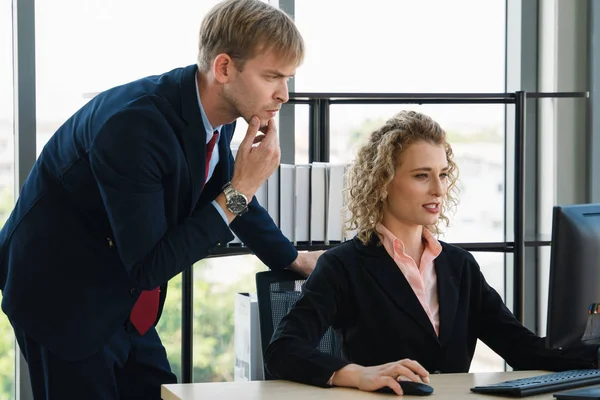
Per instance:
x=362, y=293
x=114, y=205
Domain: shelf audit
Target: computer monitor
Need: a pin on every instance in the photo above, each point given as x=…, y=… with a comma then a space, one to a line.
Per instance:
x=574, y=273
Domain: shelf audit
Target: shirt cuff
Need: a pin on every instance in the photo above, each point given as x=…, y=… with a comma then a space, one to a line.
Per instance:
x=330, y=381
x=220, y=211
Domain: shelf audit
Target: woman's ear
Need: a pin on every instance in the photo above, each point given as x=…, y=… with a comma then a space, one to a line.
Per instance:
x=384, y=194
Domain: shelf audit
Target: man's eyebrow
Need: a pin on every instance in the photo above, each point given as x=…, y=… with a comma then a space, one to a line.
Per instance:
x=278, y=74
x=427, y=169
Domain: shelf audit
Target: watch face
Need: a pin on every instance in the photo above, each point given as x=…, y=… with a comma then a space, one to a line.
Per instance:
x=236, y=203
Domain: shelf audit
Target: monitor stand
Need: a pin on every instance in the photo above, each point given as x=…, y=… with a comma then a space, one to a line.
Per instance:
x=591, y=335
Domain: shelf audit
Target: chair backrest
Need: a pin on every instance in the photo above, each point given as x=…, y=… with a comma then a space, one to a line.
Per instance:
x=277, y=292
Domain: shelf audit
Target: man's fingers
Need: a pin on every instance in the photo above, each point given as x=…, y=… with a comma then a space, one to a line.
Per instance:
x=269, y=129
x=258, y=139
x=271, y=139
x=265, y=128
x=253, y=126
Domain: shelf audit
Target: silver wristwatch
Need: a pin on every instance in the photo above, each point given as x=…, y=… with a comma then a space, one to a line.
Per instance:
x=236, y=202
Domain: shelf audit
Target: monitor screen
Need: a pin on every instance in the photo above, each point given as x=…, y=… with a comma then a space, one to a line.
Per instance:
x=574, y=273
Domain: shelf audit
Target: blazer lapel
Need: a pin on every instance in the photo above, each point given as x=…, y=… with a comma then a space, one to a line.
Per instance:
x=193, y=137
x=448, y=283
x=225, y=151
x=390, y=278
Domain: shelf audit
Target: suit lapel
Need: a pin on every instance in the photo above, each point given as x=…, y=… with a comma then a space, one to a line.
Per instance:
x=193, y=137
x=224, y=153
x=448, y=283
x=390, y=278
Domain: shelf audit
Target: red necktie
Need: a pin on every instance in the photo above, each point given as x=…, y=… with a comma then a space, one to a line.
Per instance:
x=144, y=312
x=210, y=146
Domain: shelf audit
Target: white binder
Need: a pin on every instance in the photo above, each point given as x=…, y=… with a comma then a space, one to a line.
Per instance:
x=273, y=196
x=302, y=204
x=287, y=186
x=318, y=201
x=336, y=203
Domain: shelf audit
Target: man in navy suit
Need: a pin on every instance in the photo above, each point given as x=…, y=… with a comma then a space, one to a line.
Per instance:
x=135, y=187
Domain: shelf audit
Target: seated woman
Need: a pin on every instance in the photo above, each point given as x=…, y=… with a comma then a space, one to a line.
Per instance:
x=404, y=303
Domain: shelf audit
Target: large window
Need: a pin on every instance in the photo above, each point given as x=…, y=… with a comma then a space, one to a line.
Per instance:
x=216, y=280
x=428, y=46
x=477, y=138
x=7, y=187
x=486, y=360
x=86, y=46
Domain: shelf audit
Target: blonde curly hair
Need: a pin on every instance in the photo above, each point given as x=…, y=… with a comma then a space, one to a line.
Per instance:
x=375, y=166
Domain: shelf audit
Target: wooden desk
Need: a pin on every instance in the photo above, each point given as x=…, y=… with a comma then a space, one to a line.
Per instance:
x=446, y=387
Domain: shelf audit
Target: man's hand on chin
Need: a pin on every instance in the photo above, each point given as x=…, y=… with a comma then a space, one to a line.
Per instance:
x=305, y=263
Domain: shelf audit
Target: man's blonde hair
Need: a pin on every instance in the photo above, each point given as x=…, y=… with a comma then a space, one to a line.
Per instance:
x=375, y=167
x=245, y=28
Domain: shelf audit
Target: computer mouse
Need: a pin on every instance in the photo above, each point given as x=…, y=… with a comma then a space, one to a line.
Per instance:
x=409, y=388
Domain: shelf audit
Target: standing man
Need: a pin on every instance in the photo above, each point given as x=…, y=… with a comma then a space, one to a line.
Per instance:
x=135, y=187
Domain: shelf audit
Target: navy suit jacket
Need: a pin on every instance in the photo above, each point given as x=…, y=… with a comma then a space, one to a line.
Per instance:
x=115, y=204
x=360, y=291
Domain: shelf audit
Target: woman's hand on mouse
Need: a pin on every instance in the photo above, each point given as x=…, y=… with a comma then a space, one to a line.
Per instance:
x=373, y=378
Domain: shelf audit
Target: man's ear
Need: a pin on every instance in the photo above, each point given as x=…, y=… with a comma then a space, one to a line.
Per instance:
x=223, y=68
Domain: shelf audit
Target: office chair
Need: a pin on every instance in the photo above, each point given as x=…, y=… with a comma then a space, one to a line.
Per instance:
x=277, y=292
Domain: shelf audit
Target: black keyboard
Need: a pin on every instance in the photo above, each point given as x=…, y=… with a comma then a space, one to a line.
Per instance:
x=542, y=384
